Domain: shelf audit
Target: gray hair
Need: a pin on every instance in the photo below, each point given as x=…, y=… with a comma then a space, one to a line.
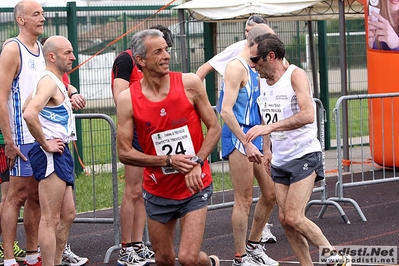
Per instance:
x=137, y=43
x=18, y=10
x=269, y=42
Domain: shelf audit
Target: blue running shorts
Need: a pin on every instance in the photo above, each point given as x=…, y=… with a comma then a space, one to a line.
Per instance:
x=45, y=163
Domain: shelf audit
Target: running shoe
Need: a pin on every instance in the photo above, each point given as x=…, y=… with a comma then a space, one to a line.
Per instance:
x=19, y=253
x=39, y=263
x=71, y=259
x=267, y=236
x=339, y=260
x=145, y=253
x=245, y=261
x=130, y=258
x=214, y=260
x=258, y=254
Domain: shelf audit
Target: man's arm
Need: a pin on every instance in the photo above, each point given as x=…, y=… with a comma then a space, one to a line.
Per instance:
x=122, y=69
x=119, y=86
x=301, y=86
x=46, y=89
x=9, y=66
x=204, y=70
x=198, y=95
x=235, y=77
x=77, y=100
x=196, y=92
x=127, y=154
x=220, y=61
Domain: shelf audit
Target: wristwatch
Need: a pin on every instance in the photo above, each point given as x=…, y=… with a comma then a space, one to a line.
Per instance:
x=197, y=159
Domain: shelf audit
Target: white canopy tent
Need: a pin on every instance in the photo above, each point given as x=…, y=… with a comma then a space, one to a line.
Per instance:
x=225, y=10
x=211, y=10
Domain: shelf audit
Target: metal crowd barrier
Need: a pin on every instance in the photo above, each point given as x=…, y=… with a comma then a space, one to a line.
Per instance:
x=220, y=199
x=368, y=155
x=114, y=170
x=321, y=114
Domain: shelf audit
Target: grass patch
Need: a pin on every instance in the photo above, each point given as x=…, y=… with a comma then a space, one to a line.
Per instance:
x=358, y=114
x=95, y=193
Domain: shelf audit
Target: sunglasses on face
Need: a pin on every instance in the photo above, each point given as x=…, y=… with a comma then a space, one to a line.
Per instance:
x=256, y=19
x=255, y=59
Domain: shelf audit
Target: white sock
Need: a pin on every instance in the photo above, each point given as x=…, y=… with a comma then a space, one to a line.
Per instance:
x=32, y=258
x=10, y=262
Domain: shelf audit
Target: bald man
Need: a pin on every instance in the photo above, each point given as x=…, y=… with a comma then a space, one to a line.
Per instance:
x=219, y=61
x=51, y=161
x=238, y=108
x=21, y=62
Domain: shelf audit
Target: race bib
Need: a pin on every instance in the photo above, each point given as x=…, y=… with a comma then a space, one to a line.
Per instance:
x=174, y=141
x=271, y=113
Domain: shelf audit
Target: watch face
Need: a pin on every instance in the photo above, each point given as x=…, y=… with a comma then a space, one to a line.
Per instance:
x=195, y=158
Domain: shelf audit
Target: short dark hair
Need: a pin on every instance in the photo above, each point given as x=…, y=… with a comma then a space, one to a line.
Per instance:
x=269, y=42
x=167, y=34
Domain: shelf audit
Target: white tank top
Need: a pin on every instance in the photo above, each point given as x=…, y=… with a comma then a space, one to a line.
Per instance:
x=278, y=102
x=32, y=65
x=57, y=121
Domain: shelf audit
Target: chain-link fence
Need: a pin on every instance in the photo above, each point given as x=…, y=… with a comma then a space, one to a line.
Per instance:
x=100, y=28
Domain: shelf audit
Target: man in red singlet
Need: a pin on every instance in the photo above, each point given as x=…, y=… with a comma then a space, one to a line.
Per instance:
x=167, y=110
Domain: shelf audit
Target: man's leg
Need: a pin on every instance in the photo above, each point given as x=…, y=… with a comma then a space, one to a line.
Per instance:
x=68, y=214
x=162, y=240
x=263, y=210
x=132, y=213
x=265, y=204
x=16, y=196
x=292, y=202
x=4, y=190
x=32, y=215
x=192, y=232
x=241, y=174
x=52, y=192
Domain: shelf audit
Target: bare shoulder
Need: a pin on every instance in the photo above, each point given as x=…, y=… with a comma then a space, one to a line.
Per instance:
x=10, y=52
x=191, y=80
x=235, y=68
x=124, y=98
x=298, y=73
x=47, y=85
x=299, y=76
x=10, y=46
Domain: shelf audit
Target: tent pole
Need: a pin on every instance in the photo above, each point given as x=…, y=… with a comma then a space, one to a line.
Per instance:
x=312, y=55
x=344, y=85
x=182, y=35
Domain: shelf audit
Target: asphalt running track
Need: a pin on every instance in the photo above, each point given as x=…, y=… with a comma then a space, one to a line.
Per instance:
x=379, y=203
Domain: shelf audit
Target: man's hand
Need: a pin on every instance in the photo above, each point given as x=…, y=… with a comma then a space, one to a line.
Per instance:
x=194, y=179
x=12, y=151
x=253, y=154
x=78, y=101
x=54, y=146
x=257, y=131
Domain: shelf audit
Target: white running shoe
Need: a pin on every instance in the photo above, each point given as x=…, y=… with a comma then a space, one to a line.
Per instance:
x=145, y=253
x=267, y=236
x=339, y=260
x=245, y=261
x=258, y=254
x=214, y=260
x=128, y=257
x=71, y=259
